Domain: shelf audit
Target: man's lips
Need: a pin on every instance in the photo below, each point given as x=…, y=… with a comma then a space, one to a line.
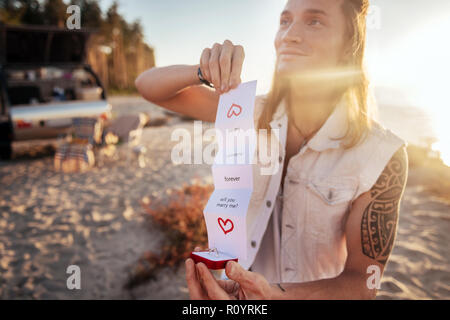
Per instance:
x=292, y=52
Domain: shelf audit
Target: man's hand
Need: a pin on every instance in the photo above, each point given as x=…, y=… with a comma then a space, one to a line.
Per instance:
x=243, y=284
x=203, y=286
x=252, y=285
x=195, y=282
x=196, y=291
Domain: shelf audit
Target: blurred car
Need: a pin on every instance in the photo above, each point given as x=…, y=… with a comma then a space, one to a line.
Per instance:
x=45, y=83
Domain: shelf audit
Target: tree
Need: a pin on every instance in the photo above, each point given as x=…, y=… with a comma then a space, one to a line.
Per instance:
x=115, y=29
x=91, y=14
x=55, y=12
x=21, y=12
x=32, y=13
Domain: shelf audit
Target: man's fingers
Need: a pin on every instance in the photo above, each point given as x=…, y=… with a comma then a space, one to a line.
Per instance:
x=204, y=63
x=214, y=67
x=237, y=61
x=235, y=272
x=222, y=65
x=225, y=64
x=227, y=285
x=194, y=286
x=230, y=286
x=210, y=284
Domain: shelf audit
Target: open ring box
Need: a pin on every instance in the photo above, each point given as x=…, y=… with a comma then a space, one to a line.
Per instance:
x=212, y=258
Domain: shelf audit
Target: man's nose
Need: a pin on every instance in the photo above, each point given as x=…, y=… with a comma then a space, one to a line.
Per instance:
x=293, y=34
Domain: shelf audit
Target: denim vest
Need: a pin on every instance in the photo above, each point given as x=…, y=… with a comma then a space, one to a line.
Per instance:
x=296, y=233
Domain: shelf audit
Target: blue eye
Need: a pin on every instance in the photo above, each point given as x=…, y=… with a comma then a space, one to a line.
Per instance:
x=284, y=21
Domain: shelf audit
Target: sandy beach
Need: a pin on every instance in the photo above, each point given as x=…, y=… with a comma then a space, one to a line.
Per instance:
x=50, y=220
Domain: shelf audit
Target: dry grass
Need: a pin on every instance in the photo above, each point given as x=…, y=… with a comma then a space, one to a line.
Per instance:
x=182, y=222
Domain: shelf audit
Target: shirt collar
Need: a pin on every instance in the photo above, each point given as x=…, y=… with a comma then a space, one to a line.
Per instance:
x=334, y=127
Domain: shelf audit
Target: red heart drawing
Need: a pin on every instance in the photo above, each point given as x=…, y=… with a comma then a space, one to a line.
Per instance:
x=235, y=110
x=223, y=225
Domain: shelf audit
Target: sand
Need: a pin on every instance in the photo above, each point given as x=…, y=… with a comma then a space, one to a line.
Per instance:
x=50, y=220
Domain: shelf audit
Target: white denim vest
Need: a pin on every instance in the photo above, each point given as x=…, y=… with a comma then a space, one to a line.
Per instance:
x=296, y=233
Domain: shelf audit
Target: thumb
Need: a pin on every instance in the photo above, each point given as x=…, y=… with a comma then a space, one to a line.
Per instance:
x=235, y=271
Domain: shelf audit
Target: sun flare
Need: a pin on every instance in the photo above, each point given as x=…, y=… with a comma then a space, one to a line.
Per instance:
x=420, y=63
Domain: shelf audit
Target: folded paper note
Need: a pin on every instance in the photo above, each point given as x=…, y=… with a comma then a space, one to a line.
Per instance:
x=236, y=107
x=226, y=211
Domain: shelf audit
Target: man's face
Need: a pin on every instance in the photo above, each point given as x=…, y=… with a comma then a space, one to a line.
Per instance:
x=311, y=36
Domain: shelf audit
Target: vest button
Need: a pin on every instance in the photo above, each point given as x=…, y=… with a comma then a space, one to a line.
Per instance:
x=280, y=159
x=253, y=244
x=268, y=204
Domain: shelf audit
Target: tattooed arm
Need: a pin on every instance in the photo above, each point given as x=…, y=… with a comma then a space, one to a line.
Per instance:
x=370, y=233
x=380, y=217
x=375, y=215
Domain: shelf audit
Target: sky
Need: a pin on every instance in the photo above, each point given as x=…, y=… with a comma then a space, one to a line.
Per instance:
x=179, y=31
x=407, y=47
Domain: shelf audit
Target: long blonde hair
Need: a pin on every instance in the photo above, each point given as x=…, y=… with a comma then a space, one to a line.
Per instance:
x=354, y=88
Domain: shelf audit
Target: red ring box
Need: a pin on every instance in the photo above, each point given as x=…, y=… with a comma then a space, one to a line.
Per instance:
x=213, y=263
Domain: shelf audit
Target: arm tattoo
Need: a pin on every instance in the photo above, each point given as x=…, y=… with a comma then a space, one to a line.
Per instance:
x=379, y=221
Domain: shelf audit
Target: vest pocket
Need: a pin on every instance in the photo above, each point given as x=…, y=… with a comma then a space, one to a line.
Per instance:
x=334, y=191
x=328, y=200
